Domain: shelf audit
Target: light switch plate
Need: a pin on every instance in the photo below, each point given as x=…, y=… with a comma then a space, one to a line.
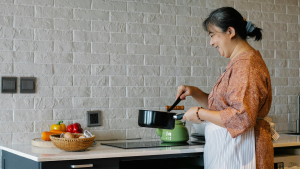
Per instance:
x=93, y=118
x=27, y=85
x=9, y=85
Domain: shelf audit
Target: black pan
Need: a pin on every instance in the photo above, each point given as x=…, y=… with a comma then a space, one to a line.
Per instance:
x=159, y=119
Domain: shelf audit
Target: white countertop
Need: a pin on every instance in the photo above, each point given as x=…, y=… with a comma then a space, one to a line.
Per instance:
x=98, y=151
x=101, y=151
x=287, y=141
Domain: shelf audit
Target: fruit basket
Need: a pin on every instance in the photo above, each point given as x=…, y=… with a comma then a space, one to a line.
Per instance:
x=72, y=144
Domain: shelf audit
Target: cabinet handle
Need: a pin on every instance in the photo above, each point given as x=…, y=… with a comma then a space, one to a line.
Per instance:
x=82, y=166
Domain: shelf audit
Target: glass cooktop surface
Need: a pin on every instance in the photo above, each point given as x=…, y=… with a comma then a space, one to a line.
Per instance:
x=151, y=144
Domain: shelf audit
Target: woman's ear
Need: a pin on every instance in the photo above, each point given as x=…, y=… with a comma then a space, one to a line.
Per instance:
x=231, y=32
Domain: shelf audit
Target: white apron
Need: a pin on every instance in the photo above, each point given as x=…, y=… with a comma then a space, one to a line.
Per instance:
x=224, y=152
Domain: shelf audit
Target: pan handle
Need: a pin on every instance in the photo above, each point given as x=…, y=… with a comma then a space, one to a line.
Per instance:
x=178, y=116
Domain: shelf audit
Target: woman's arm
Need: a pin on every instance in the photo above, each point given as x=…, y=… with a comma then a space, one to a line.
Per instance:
x=196, y=93
x=201, y=98
x=211, y=116
x=208, y=115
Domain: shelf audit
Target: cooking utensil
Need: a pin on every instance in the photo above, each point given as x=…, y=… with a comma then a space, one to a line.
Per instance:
x=176, y=107
x=159, y=119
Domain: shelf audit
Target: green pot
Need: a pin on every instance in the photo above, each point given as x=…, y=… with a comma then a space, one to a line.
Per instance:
x=178, y=134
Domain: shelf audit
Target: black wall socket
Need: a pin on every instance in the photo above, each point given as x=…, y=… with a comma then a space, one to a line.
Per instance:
x=93, y=118
x=9, y=85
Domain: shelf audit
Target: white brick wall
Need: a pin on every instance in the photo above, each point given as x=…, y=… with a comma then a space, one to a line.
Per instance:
x=119, y=56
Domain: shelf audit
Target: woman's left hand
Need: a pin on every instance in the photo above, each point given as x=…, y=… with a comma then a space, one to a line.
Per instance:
x=191, y=115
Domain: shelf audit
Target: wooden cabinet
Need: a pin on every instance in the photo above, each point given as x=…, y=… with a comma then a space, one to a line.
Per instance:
x=174, y=161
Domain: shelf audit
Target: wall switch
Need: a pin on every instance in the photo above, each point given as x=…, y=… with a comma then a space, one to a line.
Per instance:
x=27, y=85
x=9, y=85
x=93, y=118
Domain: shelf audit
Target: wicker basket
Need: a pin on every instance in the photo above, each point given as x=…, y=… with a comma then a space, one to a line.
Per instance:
x=72, y=144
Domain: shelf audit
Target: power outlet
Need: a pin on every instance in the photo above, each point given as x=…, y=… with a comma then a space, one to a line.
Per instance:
x=93, y=118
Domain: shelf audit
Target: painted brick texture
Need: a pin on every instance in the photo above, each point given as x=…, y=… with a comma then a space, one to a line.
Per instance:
x=119, y=56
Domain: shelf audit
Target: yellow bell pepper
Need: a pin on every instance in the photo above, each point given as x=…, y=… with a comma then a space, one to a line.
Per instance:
x=60, y=126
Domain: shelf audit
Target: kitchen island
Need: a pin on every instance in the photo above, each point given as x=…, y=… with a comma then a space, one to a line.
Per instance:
x=104, y=157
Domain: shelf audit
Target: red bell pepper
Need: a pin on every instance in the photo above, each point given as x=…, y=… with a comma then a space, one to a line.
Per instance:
x=74, y=128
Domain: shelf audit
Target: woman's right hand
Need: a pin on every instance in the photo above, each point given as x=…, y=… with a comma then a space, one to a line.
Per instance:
x=184, y=91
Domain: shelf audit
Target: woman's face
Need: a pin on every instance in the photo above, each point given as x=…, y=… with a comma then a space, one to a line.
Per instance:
x=222, y=41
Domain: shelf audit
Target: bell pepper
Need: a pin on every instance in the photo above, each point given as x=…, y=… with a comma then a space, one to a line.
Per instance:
x=46, y=134
x=74, y=128
x=60, y=126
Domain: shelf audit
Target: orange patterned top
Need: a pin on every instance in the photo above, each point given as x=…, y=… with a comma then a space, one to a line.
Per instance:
x=243, y=93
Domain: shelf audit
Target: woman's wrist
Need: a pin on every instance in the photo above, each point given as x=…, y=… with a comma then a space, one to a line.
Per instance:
x=197, y=113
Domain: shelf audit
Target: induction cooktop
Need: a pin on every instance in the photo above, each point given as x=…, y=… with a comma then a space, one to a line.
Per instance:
x=151, y=144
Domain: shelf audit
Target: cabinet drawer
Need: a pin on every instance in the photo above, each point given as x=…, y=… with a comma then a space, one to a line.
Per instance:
x=86, y=164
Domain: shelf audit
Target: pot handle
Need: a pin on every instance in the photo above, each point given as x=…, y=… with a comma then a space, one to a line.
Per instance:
x=178, y=116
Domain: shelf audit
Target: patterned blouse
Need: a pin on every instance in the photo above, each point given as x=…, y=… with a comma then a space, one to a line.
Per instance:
x=242, y=94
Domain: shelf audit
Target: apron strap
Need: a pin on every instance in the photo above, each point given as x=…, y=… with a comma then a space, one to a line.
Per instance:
x=274, y=134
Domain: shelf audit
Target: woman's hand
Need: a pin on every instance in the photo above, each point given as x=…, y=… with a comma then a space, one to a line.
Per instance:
x=191, y=115
x=184, y=91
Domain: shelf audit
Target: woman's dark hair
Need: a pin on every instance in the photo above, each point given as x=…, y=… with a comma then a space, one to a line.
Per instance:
x=229, y=17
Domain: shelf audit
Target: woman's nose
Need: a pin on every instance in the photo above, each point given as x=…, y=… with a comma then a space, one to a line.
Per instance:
x=211, y=42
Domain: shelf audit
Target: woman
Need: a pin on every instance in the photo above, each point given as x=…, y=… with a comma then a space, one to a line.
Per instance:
x=237, y=136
